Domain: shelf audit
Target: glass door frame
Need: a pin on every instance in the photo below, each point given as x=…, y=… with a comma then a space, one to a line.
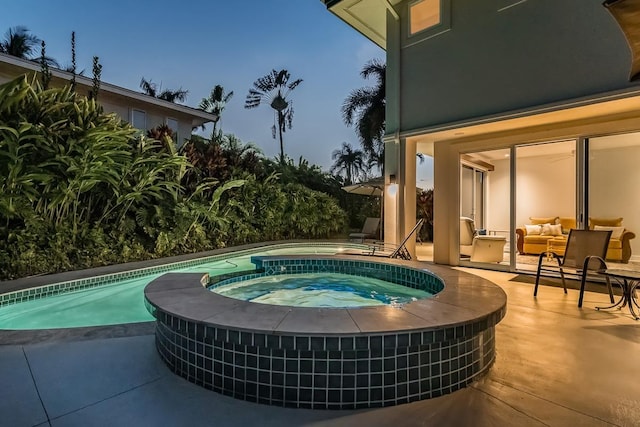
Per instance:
x=475, y=168
x=580, y=198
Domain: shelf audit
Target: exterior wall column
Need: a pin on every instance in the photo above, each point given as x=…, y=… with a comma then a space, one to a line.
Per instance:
x=407, y=192
x=446, y=204
x=400, y=196
x=393, y=164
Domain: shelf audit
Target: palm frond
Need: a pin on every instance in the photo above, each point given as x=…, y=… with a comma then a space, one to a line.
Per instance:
x=148, y=87
x=174, y=95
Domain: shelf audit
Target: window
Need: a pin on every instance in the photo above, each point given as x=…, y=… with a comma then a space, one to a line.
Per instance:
x=139, y=119
x=423, y=14
x=173, y=125
x=423, y=20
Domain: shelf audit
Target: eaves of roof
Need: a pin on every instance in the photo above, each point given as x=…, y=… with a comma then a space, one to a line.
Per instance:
x=28, y=66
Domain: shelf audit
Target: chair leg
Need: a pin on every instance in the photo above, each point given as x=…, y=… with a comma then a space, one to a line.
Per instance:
x=564, y=284
x=535, y=290
x=583, y=283
x=585, y=271
x=610, y=289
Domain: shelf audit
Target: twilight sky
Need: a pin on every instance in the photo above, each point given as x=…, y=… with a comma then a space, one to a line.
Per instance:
x=197, y=44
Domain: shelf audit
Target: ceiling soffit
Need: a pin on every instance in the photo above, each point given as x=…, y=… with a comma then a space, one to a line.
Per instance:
x=369, y=17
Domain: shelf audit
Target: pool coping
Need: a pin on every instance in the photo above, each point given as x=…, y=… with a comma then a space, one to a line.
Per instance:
x=465, y=300
x=84, y=333
x=87, y=279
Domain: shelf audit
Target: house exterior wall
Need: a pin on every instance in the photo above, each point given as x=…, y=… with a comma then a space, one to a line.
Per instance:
x=116, y=103
x=497, y=74
x=491, y=60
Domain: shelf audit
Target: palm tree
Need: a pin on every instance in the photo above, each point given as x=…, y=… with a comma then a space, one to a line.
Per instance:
x=18, y=42
x=275, y=88
x=152, y=89
x=366, y=107
x=349, y=161
x=215, y=104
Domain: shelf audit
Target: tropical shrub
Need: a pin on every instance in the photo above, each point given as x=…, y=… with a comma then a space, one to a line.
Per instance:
x=268, y=210
x=424, y=204
x=80, y=188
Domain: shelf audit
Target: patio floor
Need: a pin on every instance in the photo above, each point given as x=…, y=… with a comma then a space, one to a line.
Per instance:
x=556, y=365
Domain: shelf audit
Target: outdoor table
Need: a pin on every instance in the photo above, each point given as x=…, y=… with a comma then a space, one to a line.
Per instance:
x=629, y=281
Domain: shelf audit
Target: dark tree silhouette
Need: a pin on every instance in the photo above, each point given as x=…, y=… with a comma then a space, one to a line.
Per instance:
x=19, y=43
x=365, y=107
x=215, y=104
x=348, y=161
x=152, y=89
x=274, y=89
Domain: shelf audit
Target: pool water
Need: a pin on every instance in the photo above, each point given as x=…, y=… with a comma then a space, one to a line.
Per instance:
x=121, y=302
x=321, y=290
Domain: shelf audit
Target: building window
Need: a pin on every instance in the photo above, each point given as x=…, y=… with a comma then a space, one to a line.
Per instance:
x=424, y=19
x=423, y=14
x=173, y=125
x=139, y=119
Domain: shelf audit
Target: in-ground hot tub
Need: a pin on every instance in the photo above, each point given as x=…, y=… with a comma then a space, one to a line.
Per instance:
x=333, y=358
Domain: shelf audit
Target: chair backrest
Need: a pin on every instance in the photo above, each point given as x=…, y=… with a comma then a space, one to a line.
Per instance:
x=467, y=231
x=584, y=243
x=401, y=251
x=371, y=225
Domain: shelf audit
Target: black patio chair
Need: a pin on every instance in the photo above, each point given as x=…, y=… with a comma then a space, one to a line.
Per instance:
x=585, y=251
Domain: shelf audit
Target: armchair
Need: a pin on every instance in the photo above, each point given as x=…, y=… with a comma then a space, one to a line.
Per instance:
x=479, y=248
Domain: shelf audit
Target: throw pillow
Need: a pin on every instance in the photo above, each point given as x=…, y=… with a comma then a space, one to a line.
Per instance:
x=549, y=220
x=551, y=230
x=556, y=230
x=567, y=223
x=533, y=229
x=607, y=222
x=616, y=232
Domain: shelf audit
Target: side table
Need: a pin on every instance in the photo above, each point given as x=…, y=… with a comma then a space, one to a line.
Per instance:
x=557, y=245
x=629, y=281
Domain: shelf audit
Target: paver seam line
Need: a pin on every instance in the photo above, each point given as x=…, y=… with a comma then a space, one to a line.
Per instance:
x=511, y=406
x=110, y=397
x=476, y=386
x=281, y=320
x=36, y=386
x=354, y=321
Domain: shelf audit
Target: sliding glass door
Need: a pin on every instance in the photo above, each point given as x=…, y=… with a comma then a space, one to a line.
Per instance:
x=485, y=202
x=518, y=202
x=613, y=201
x=545, y=205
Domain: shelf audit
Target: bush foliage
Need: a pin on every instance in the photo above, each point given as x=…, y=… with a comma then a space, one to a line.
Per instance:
x=80, y=188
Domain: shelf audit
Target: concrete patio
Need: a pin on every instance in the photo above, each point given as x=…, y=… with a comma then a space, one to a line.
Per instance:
x=556, y=365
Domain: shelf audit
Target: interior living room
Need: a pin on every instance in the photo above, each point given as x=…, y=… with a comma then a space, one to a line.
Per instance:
x=507, y=223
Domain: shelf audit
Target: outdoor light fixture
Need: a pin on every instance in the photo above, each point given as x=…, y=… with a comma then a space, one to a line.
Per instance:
x=393, y=186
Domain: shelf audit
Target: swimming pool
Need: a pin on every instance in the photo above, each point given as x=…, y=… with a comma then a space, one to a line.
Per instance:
x=122, y=301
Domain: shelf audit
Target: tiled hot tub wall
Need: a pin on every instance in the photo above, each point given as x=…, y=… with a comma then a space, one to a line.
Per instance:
x=325, y=370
